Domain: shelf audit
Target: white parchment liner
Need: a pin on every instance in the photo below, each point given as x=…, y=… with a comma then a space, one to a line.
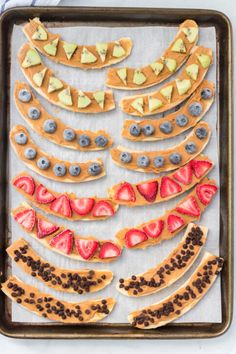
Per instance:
x=149, y=44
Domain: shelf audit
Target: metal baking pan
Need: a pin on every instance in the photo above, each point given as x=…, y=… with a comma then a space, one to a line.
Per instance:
x=67, y=16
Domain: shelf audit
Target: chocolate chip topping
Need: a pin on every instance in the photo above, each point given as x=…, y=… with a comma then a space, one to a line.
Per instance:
x=137, y=284
x=66, y=280
x=176, y=301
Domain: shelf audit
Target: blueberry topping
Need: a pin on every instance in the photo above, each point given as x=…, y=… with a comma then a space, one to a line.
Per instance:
x=181, y=120
x=50, y=126
x=43, y=163
x=30, y=153
x=166, y=127
x=74, y=170
x=148, y=129
x=84, y=140
x=94, y=169
x=24, y=95
x=33, y=113
x=158, y=161
x=201, y=133
x=125, y=157
x=21, y=138
x=69, y=134
x=101, y=141
x=195, y=109
x=175, y=158
x=190, y=148
x=135, y=129
x=59, y=170
x=143, y=161
x=206, y=94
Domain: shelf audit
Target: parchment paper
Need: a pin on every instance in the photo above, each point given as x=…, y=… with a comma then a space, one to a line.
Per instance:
x=149, y=44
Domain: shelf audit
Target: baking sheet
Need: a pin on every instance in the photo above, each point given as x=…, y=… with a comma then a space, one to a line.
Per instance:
x=149, y=43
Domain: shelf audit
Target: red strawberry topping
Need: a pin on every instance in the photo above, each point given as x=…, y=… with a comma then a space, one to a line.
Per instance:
x=189, y=207
x=148, y=190
x=125, y=193
x=184, y=174
x=61, y=205
x=134, y=236
x=26, y=219
x=154, y=229
x=42, y=195
x=200, y=167
x=82, y=206
x=109, y=250
x=86, y=248
x=205, y=192
x=25, y=183
x=63, y=241
x=169, y=187
x=174, y=222
x=45, y=228
x=103, y=208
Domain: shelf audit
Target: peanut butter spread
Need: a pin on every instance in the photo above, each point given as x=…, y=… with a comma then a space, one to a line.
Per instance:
x=183, y=299
x=155, y=77
x=49, y=307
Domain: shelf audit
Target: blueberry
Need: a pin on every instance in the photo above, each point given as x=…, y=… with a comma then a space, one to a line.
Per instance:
x=43, y=163
x=125, y=157
x=50, y=126
x=74, y=170
x=94, y=169
x=24, y=95
x=84, y=140
x=34, y=113
x=181, y=120
x=166, y=127
x=101, y=141
x=158, y=161
x=69, y=134
x=59, y=169
x=135, y=129
x=148, y=129
x=175, y=158
x=195, y=109
x=190, y=148
x=201, y=133
x=21, y=138
x=30, y=153
x=206, y=93
x=143, y=161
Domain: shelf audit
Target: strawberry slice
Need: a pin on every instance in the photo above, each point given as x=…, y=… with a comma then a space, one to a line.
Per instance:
x=61, y=205
x=109, y=250
x=189, y=207
x=174, y=222
x=200, y=167
x=154, y=229
x=134, y=236
x=169, y=187
x=103, y=208
x=205, y=192
x=25, y=183
x=63, y=241
x=125, y=193
x=184, y=174
x=26, y=219
x=42, y=195
x=148, y=190
x=82, y=206
x=86, y=248
x=45, y=228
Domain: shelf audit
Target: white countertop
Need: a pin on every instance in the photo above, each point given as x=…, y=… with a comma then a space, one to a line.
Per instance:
x=223, y=344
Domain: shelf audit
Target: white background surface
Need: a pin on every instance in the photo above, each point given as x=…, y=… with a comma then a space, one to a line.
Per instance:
x=225, y=343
